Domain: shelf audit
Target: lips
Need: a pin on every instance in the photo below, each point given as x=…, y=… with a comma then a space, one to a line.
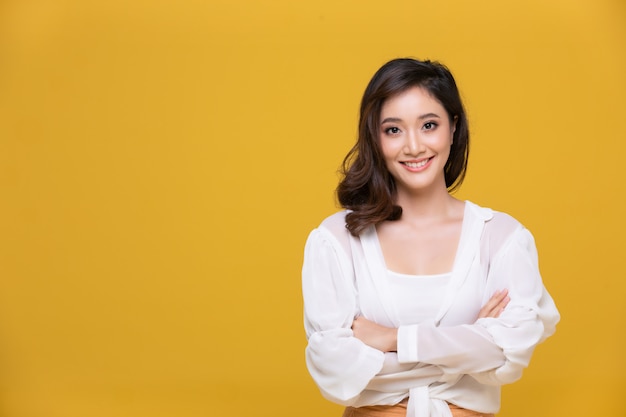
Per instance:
x=416, y=164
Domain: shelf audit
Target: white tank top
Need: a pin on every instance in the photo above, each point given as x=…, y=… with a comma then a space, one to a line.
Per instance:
x=418, y=297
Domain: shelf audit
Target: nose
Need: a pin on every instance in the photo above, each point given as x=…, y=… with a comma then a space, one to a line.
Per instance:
x=413, y=144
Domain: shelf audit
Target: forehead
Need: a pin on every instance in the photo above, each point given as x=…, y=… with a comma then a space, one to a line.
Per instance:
x=416, y=100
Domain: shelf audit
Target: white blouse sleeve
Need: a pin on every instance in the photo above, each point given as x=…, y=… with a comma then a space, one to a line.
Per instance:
x=493, y=350
x=531, y=315
x=340, y=364
x=462, y=349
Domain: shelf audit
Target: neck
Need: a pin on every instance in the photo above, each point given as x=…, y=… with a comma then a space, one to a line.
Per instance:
x=420, y=206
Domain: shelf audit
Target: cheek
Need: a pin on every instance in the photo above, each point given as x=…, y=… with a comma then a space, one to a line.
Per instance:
x=387, y=148
x=389, y=153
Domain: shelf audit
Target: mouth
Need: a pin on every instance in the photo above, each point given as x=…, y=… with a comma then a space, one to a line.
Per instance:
x=416, y=164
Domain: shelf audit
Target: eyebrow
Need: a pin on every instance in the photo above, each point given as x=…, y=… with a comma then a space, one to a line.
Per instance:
x=421, y=117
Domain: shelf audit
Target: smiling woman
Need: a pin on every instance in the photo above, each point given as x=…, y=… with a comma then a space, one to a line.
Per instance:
x=417, y=303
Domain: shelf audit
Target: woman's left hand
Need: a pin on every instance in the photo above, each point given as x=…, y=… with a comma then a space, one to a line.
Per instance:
x=495, y=305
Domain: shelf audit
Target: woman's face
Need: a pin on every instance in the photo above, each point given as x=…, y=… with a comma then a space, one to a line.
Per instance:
x=415, y=136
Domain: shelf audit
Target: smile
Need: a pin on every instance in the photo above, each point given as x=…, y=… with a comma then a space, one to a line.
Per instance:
x=418, y=164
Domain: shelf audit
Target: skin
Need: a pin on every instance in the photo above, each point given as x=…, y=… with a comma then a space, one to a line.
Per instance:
x=416, y=135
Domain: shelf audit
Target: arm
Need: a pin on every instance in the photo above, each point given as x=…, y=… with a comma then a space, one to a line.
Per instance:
x=496, y=348
x=385, y=339
x=450, y=347
x=341, y=364
x=529, y=319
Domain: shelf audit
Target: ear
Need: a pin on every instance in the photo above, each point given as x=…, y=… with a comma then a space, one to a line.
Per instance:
x=453, y=128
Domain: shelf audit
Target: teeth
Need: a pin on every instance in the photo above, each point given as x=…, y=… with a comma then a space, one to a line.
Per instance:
x=416, y=164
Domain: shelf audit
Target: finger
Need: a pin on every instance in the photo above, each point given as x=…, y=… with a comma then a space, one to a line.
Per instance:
x=500, y=295
x=505, y=301
x=497, y=299
x=491, y=304
x=495, y=305
x=495, y=313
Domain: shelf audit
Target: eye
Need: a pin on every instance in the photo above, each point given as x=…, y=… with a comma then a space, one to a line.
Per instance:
x=392, y=130
x=430, y=125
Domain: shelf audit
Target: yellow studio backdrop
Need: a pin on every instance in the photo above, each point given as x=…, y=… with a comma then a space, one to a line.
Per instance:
x=162, y=162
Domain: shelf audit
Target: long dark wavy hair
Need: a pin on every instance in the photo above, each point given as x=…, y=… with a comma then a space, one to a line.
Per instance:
x=367, y=187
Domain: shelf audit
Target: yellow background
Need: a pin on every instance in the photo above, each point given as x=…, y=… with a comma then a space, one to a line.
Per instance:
x=162, y=162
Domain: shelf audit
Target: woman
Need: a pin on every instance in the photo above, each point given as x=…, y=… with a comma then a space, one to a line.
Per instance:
x=417, y=303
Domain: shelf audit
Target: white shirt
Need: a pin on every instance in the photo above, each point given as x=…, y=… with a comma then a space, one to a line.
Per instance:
x=454, y=358
x=418, y=297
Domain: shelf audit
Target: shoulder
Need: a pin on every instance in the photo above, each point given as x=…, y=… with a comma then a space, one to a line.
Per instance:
x=500, y=228
x=335, y=223
x=332, y=231
x=496, y=220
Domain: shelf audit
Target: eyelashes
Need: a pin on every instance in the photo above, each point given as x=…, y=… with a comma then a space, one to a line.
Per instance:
x=394, y=130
